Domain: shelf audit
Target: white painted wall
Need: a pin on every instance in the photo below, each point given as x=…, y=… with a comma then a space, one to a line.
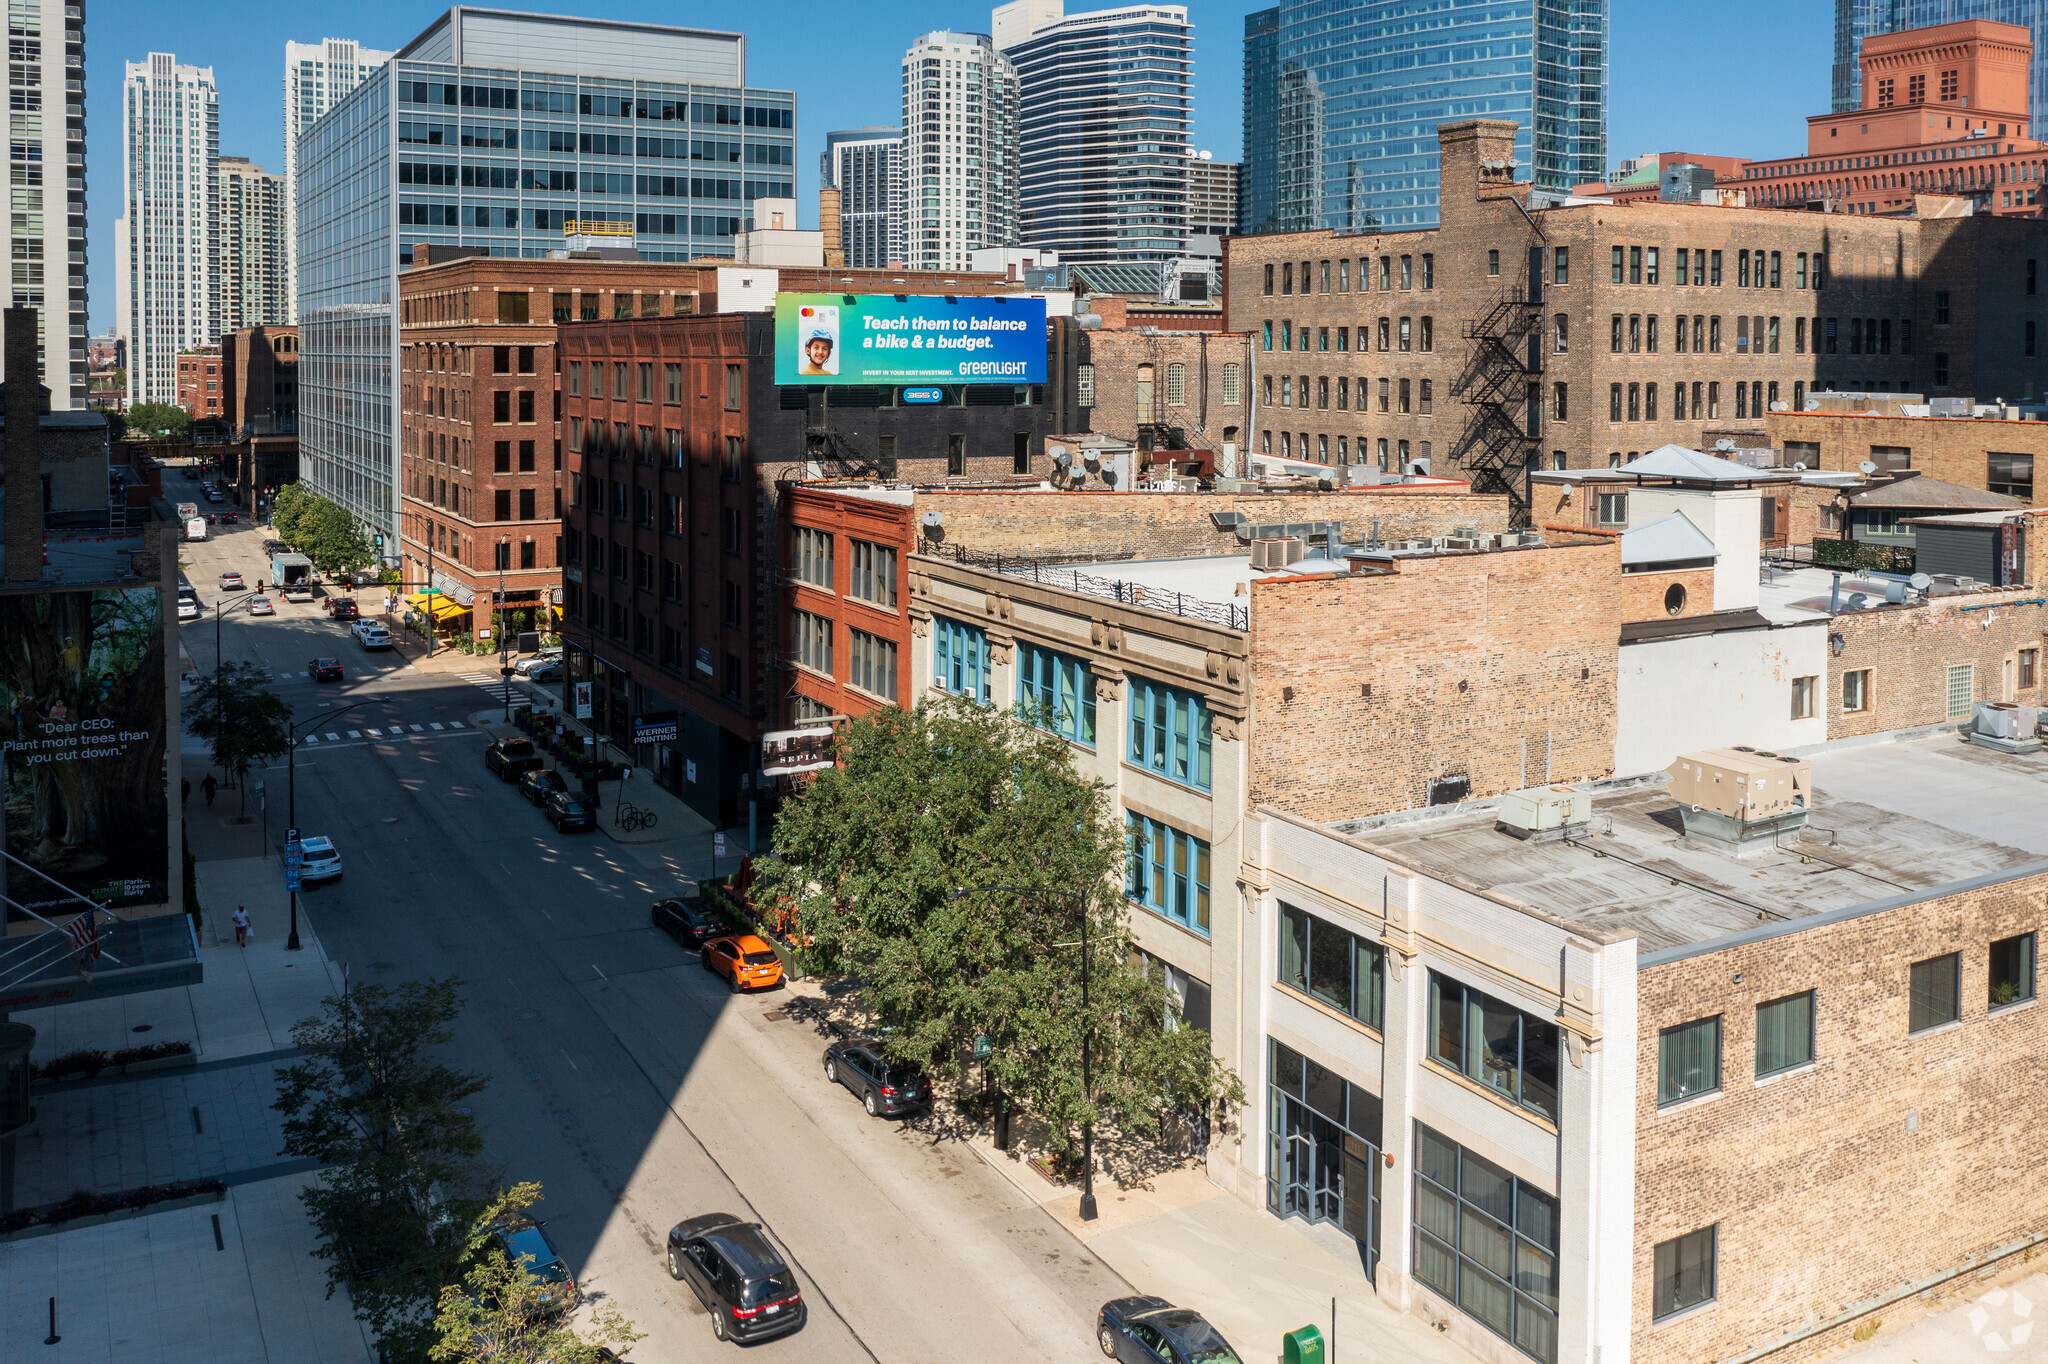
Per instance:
x=1732, y=517
x=1710, y=691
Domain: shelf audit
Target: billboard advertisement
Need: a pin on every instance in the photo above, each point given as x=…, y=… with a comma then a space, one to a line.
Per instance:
x=82, y=746
x=884, y=340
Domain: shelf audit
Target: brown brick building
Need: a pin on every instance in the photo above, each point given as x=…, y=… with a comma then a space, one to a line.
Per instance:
x=1993, y=454
x=1153, y=387
x=201, y=391
x=1520, y=334
x=260, y=378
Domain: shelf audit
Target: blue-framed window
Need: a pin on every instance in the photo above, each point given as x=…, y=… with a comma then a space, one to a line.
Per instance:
x=1060, y=689
x=960, y=659
x=1170, y=732
x=1168, y=872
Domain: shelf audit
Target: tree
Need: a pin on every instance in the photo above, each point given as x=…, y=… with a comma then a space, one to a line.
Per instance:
x=290, y=504
x=403, y=1184
x=332, y=538
x=955, y=797
x=160, y=420
x=501, y=1313
x=245, y=721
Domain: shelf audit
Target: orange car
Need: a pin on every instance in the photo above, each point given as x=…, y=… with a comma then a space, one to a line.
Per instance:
x=745, y=961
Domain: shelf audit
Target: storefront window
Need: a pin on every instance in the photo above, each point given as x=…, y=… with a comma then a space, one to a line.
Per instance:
x=1324, y=1146
x=1494, y=1043
x=1487, y=1242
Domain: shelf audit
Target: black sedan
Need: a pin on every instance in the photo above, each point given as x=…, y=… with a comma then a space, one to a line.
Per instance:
x=568, y=811
x=741, y=1279
x=885, y=1088
x=538, y=783
x=324, y=670
x=691, y=922
x=1154, y=1331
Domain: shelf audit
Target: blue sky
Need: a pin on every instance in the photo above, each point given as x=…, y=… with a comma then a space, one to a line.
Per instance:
x=1737, y=78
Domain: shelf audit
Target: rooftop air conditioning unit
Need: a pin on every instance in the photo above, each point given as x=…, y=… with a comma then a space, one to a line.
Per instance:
x=1741, y=796
x=2004, y=719
x=1270, y=555
x=1544, y=810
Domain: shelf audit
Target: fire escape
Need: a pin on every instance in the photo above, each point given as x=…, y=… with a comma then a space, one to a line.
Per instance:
x=1502, y=388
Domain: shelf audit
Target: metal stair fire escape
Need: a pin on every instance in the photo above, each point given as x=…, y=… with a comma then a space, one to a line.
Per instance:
x=1502, y=389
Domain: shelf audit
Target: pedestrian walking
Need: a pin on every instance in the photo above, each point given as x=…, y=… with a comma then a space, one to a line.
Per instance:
x=241, y=925
x=184, y=791
x=209, y=786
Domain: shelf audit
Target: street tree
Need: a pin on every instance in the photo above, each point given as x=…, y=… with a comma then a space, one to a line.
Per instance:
x=503, y=1313
x=873, y=856
x=159, y=421
x=402, y=1184
x=242, y=717
x=286, y=508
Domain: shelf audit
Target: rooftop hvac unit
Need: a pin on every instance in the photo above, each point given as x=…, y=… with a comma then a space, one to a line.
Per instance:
x=1269, y=555
x=1544, y=810
x=2004, y=719
x=1741, y=783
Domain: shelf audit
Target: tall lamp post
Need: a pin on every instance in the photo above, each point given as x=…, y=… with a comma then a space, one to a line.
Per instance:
x=504, y=668
x=291, y=778
x=1080, y=901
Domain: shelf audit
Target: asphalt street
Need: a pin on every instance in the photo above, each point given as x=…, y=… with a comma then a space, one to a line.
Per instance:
x=624, y=1079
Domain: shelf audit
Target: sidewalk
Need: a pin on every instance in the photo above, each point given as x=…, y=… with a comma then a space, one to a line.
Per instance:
x=673, y=820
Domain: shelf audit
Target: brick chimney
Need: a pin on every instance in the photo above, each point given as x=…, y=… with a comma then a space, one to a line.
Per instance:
x=24, y=452
x=1476, y=162
x=828, y=222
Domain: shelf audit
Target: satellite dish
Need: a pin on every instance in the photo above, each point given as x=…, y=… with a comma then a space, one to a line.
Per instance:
x=1109, y=477
x=1062, y=458
x=1800, y=467
x=1867, y=467
x=1091, y=458
x=933, y=519
x=1920, y=582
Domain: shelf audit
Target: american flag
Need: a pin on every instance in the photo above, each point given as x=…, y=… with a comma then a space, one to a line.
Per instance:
x=85, y=939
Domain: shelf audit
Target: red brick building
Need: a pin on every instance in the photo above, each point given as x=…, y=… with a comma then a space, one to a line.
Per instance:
x=201, y=390
x=833, y=544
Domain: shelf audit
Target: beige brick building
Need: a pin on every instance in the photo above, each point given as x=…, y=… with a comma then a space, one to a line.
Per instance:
x=1996, y=455
x=1525, y=332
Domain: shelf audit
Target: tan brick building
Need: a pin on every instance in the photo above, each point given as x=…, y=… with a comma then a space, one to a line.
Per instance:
x=1153, y=387
x=1993, y=454
x=1529, y=333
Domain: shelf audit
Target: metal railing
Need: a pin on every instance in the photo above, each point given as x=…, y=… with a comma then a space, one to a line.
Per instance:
x=1049, y=571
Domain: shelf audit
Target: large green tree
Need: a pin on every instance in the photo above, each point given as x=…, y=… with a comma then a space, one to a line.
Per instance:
x=403, y=1184
x=247, y=722
x=332, y=538
x=905, y=862
x=159, y=421
x=502, y=1313
x=291, y=503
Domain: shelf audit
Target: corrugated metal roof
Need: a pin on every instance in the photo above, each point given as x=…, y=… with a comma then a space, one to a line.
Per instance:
x=1676, y=461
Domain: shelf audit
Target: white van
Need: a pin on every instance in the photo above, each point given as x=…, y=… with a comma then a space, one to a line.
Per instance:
x=195, y=528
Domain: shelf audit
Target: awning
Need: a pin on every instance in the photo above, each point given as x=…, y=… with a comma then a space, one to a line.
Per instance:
x=440, y=607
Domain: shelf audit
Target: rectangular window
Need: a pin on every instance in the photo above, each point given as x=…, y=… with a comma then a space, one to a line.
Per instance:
x=812, y=550
x=1856, y=690
x=1231, y=384
x=1336, y=967
x=813, y=642
x=1170, y=732
x=2012, y=475
x=1802, y=694
x=960, y=660
x=1084, y=375
x=1784, y=1033
x=2030, y=667
x=1688, y=1060
x=1683, y=1275
x=871, y=664
x=1429, y=272
x=1488, y=1242
x=873, y=574
x=2012, y=966
x=1650, y=265
x=1494, y=1044
x=1562, y=271
x=1613, y=509
x=1713, y=269
x=646, y=379
x=735, y=387
x=1057, y=692
x=672, y=383
x=1168, y=872
x=1936, y=992
x=1962, y=689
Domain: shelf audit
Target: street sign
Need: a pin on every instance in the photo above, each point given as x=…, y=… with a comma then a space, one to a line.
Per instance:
x=291, y=880
x=291, y=835
x=718, y=845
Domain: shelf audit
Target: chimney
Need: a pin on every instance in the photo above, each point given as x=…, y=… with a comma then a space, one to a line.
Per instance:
x=828, y=221
x=1476, y=162
x=24, y=466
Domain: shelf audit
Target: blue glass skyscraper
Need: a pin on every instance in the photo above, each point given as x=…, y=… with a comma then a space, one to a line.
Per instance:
x=1856, y=20
x=1349, y=95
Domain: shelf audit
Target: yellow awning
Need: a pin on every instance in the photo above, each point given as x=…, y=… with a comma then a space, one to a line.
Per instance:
x=440, y=607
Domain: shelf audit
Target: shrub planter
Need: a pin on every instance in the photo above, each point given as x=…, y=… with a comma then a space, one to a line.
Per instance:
x=90, y=1210
x=76, y=1066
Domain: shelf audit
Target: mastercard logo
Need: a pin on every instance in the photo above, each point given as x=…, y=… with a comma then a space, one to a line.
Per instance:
x=807, y=312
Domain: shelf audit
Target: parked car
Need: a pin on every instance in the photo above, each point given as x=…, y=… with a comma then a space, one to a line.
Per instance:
x=885, y=1088
x=372, y=635
x=521, y=1238
x=324, y=670
x=320, y=861
x=188, y=608
x=566, y=810
x=540, y=660
x=745, y=960
x=740, y=1278
x=546, y=672
x=510, y=758
x=1154, y=1331
x=275, y=547
x=538, y=783
x=690, y=921
x=341, y=608
x=232, y=582
x=260, y=605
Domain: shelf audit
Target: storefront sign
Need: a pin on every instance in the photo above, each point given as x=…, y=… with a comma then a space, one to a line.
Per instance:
x=926, y=338
x=657, y=729
x=583, y=690
x=785, y=752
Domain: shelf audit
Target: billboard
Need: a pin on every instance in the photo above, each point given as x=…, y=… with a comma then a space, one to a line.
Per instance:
x=786, y=752
x=82, y=746
x=921, y=339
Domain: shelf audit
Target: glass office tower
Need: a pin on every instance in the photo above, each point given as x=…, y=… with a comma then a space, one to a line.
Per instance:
x=494, y=130
x=1352, y=91
x=1258, y=194
x=1856, y=20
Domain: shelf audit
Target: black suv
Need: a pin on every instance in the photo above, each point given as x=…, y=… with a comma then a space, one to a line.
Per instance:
x=691, y=921
x=886, y=1088
x=509, y=758
x=740, y=1278
x=539, y=783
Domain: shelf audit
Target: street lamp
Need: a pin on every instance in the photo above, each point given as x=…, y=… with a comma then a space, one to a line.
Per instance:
x=1087, y=1032
x=504, y=669
x=291, y=779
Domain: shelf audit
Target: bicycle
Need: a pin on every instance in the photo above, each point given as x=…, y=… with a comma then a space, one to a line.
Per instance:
x=631, y=818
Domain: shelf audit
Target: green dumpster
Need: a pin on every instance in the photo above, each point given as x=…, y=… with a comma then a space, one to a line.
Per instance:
x=1302, y=1345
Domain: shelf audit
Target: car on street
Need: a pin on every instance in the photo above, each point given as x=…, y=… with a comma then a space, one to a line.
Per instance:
x=260, y=605
x=341, y=608
x=745, y=960
x=213, y=495
x=741, y=1278
x=371, y=635
x=275, y=547
x=546, y=672
x=511, y=758
x=540, y=660
x=538, y=783
x=232, y=582
x=320, y=861
x=566, y=810
x=188, y=608
x=690, y=921
x=228, y=518
x=522, y=1239
x=1154, y=1331
x=324, y=670
x=886, y=1088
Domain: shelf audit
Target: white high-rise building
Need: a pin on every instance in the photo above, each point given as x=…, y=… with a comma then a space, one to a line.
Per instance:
x=252, y=288
x=866, y=166
x=1103, y=134
x=46, y=239
x=171, y=121
x=959, y=150
x=316, y=76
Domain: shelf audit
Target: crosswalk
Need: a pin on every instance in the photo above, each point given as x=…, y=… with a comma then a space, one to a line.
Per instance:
x=500, y=688
x=394, y=731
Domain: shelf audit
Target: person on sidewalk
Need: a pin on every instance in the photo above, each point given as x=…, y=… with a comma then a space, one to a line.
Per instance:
x=209, y=786
x=241, y=925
